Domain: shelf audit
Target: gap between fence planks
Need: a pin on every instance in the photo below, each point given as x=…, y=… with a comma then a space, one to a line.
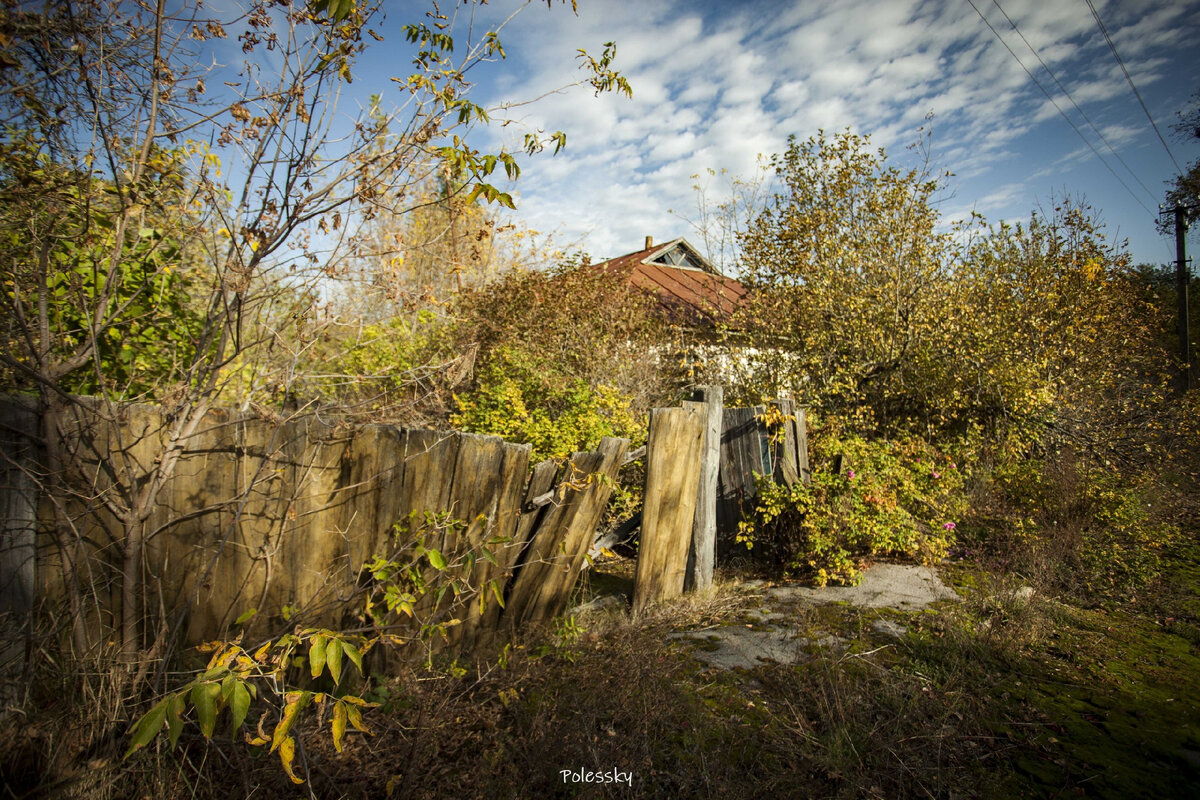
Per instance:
x=673, y=455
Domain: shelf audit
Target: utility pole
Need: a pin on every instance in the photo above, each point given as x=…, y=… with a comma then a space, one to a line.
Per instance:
x=1181, y=290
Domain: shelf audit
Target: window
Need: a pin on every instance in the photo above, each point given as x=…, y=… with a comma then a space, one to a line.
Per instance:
x=679, y=257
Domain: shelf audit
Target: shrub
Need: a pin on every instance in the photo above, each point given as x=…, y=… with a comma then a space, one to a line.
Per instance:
x=410, y=594
x=577, y=321
x=1080, y=527
x=402, y=370
x=524, y=398
x=1121, y=551
x=898, y=498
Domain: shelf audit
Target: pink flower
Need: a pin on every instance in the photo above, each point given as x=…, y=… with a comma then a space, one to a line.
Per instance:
x=937, y=475
x=850, y=474
x=949, y=526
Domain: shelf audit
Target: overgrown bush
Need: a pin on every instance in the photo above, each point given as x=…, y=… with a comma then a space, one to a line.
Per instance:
x=891, y=497
x=404, y=369
x=1071, y=525
x=524, y=398
x=577, y=321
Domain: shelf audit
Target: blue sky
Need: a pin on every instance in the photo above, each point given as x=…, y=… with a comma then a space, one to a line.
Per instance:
x=716, y=84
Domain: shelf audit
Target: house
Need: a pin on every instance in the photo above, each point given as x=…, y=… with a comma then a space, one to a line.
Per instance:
x=690, y=291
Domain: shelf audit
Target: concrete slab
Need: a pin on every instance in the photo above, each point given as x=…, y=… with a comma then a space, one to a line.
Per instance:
x=896, y=586
x=899, y=586
x=734, y=646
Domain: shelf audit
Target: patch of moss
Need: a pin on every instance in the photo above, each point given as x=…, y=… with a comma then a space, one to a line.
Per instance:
x=1105, y=705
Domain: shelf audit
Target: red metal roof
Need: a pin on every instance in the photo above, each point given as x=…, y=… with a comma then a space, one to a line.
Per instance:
x=688, y=295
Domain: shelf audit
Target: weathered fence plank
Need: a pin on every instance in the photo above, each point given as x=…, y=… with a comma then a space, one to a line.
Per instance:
x=787, y=468
x=544, y=552
x=673, y=455
x=486, y=485
x=559, y=543
x=747, y=447
x=800, y=431
x=702, y=553
x=745, y=450
x=429, y=460
x=18, y=542
x=367, y=497
x=509, y=555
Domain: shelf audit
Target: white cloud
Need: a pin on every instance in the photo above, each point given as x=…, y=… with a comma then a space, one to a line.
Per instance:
x=716, y=84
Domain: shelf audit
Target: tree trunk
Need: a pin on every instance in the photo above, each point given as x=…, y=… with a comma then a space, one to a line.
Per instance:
x=65, y=537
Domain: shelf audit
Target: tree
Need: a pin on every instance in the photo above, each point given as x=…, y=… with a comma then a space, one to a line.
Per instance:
x=239, y=176
x=1058, y=339
x=1028, y=354
x=718, y=223
x=887, y=323
x=849, y=274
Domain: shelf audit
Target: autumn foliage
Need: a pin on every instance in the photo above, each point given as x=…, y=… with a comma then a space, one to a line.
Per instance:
x=1013, y=344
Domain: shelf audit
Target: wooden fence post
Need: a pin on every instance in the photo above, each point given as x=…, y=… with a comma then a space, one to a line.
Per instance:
x=702, y=554
x=672, y=474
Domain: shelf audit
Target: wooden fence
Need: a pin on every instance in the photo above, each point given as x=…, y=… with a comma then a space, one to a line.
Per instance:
x=275, y=515
x=286, y=515
x=701, y=462
x=750, y=446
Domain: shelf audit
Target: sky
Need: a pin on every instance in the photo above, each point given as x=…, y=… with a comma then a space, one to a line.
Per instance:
x=717, y=84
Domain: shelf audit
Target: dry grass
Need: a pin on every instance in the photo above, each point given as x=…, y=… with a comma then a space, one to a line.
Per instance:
x=943, y=712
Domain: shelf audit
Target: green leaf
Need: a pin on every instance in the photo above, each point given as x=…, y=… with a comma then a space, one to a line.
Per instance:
x=317, y=654
x=239, y=704
x=436, y=560
x=333, y=656
x=245, y=616
x=146, y=728
x=175, y=717
x=354, y=655
x=204, y=700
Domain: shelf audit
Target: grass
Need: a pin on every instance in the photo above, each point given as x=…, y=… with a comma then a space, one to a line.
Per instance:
x=997, y=696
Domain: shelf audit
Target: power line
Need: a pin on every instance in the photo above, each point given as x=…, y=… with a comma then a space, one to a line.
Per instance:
x=1136, y=93
x=1059, y=83
x=1062, y=113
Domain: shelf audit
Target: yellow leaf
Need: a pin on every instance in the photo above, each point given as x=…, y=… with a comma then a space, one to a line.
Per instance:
x=295, y=701
x=287, y=752
x=354, y=717
x=339, y=724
